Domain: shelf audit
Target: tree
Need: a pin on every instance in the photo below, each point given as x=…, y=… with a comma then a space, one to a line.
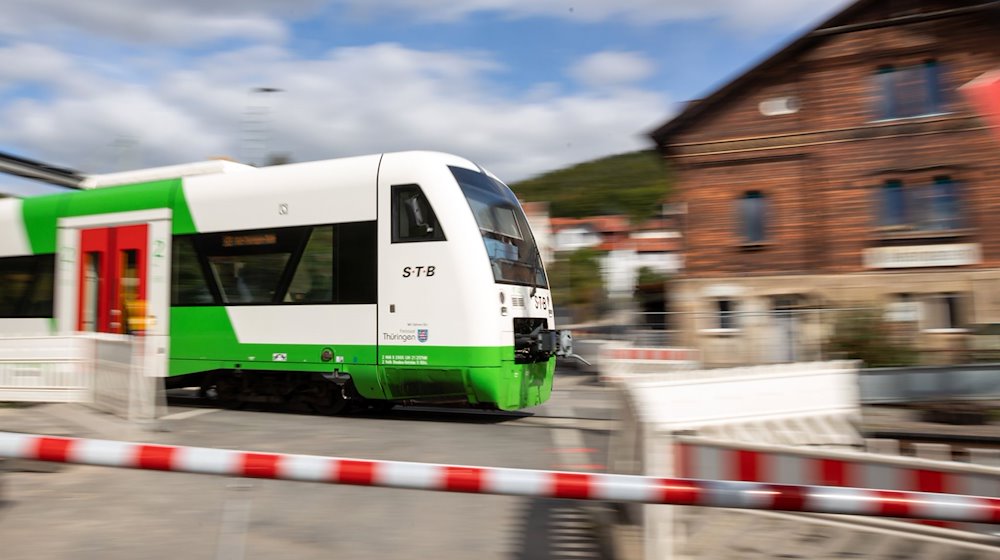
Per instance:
x=577, y=285
x=633, y=184
x=865, y=335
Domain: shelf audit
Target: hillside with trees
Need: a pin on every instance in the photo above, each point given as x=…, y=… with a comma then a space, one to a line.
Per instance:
x=632, y=184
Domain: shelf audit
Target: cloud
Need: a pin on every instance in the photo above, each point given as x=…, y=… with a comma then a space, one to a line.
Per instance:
x=612, y=68
x=194, y=22
x=175, y=23
x=747, y=14
x=348, y=101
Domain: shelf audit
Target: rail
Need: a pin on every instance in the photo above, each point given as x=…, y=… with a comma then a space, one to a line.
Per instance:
x=493, y=480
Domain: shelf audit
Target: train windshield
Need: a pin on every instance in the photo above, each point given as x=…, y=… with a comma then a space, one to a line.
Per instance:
x=509, y=243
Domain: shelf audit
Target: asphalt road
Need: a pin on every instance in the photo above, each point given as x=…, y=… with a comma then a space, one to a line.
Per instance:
x=99, y=513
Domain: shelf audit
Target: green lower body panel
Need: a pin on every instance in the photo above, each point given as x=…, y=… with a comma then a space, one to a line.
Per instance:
x=202, y=339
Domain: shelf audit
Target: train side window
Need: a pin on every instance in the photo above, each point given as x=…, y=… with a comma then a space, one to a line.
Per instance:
x=314, y=277
x=413, y=219
x=250, y=266
x=26, y=286
x=187, y=286
x=357, y=263
x=38, y=302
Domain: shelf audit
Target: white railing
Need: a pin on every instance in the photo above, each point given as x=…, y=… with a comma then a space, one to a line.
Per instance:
x=112, y=373
x=45, y=369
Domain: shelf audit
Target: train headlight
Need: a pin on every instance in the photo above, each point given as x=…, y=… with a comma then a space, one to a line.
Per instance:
x=502, y=297
x=503, y=310
x=327, y=355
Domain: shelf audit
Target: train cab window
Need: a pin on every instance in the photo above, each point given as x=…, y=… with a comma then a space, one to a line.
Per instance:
x=26, y=286
x=513, y=254
x=413, y=219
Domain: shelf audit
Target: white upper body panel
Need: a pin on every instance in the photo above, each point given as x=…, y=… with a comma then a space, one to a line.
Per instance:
x=322, y=192
x=13, y=236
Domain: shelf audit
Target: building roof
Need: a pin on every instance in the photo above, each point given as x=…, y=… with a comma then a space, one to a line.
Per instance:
x=601, y=224
x=842, y=22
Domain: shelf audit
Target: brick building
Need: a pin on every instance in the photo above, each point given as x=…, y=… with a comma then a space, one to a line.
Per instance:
x=846, y=170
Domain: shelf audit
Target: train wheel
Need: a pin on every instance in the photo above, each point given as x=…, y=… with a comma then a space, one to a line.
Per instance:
x=225, y=391
x=329, y=402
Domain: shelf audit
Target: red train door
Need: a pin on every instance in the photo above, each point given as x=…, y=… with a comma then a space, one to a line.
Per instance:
x=112, y=279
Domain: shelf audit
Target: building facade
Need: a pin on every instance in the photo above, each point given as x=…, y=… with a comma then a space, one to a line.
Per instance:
x=846, y=171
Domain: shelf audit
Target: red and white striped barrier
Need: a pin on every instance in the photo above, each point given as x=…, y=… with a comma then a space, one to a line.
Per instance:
x=828, y=468
x=831, y=468
x=490, y=480
x=657, y=354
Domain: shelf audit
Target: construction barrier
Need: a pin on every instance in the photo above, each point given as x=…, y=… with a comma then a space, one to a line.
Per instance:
x=492, y=480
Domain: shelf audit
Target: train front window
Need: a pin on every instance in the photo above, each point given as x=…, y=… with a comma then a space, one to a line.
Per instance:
x=513, y=254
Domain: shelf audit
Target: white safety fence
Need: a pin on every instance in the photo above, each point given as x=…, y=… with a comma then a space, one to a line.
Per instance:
x=616, y=362
x=117, y=374
x=784, y=424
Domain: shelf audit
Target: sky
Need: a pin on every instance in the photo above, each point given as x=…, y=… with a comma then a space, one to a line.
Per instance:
x=522, y=87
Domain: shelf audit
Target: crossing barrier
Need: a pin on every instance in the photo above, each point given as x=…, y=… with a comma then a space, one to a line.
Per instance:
x=778, y=424
x=493, y=480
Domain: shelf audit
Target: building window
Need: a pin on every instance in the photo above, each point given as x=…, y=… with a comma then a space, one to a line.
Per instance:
x=902, y=308
x=942, y=206
x=753, y=210
x=909, y=91
x=944, y=311
x=726, y=314
x=893, y=205
x=926, y=207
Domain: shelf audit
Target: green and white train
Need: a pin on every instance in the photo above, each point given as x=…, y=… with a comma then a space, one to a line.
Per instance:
x=389, y=278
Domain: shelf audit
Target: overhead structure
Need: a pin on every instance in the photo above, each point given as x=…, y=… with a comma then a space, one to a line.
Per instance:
x=31, y=169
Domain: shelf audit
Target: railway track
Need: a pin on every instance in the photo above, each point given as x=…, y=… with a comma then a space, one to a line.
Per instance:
x=556, y=417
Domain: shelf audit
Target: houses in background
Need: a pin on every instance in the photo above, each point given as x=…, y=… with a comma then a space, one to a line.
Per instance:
x=624, y=248
x=844, y=171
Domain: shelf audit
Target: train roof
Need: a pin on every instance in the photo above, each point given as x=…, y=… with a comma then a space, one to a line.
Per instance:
x=208, y=167
x=226, y=167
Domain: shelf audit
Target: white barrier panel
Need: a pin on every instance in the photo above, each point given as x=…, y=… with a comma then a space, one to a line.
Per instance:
x=45, y=369
x=695, y=399
x=493, y=480
x=117, y=374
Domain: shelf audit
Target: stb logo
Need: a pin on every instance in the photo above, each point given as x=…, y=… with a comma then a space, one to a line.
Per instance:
x=422, y=335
